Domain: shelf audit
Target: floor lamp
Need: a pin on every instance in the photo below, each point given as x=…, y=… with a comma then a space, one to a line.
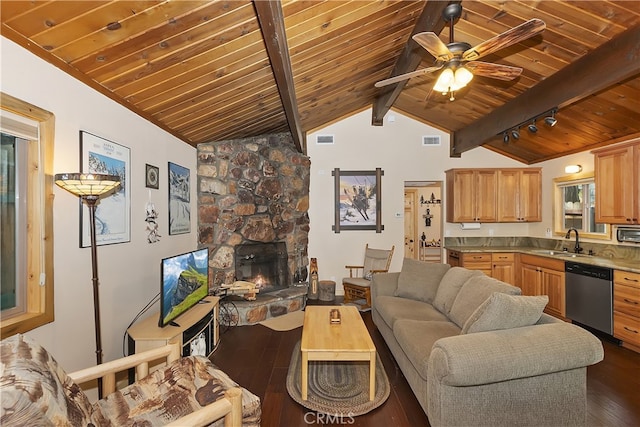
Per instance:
x=90, y=187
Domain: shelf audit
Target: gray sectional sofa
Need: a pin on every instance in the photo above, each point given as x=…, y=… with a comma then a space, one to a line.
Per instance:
x=475, y=352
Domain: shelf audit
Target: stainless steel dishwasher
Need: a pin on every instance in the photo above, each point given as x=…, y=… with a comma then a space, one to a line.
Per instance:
x=589, y=295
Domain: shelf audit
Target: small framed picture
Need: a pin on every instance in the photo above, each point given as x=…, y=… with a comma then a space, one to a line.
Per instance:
x=151, y=176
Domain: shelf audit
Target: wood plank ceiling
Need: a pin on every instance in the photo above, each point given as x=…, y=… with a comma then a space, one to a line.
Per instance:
x=216, y=70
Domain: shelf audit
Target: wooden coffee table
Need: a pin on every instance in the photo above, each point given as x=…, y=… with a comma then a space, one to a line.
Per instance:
x=348, y=340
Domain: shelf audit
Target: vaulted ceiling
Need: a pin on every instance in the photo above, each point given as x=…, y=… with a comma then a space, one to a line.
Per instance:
x=216, y=70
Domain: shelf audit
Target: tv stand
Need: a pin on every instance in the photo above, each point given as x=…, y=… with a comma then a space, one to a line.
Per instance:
x=197, y=332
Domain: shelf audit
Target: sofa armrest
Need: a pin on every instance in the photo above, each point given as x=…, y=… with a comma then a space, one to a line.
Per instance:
x=488, y=357
x=384, y=284
x=229, y=407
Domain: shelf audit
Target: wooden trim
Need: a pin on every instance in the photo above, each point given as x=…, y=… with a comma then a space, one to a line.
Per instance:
x=40, y=299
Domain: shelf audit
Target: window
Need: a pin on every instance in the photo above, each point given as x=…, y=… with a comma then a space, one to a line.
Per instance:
x=26, y=212
x=574, y=207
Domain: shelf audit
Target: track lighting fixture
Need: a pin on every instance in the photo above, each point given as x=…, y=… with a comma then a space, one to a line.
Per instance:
x=514, y=132
x=551, y=120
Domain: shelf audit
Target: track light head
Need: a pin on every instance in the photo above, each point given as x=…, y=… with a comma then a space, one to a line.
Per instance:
x=515, y=134
x=505, y=138
x=551, y=120
x=532, y=127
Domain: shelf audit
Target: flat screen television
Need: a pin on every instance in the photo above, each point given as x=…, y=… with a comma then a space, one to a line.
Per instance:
x=184, y=283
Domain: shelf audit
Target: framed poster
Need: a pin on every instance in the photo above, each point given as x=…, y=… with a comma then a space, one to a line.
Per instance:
x=151, y=176
x=113, y=213
x=358, y=201
x=179, y=199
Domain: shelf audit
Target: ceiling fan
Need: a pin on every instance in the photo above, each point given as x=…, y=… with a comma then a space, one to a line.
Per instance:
x=458, y=59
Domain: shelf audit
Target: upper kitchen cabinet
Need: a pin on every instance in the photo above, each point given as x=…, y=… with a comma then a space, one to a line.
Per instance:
x=471, y=195
x=494, y=195
x=617, y=178
x=519, y=195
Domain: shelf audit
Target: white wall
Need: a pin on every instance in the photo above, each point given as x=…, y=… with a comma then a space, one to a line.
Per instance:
x=129, y=272
x=397, y=148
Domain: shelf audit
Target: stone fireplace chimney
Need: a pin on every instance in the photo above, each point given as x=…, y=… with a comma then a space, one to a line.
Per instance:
x=253, y=190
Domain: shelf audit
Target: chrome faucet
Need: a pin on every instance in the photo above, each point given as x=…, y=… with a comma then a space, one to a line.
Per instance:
x=577, y=249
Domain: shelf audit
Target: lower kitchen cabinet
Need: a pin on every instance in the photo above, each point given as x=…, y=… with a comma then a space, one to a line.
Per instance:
x=544, y=276
x=503, y=267
x=626, y=308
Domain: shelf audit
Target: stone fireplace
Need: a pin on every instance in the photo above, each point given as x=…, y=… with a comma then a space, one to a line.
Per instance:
x=265, y=264
x=255, y=192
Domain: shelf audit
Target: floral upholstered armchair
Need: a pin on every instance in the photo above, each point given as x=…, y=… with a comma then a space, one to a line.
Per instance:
x=187, y=391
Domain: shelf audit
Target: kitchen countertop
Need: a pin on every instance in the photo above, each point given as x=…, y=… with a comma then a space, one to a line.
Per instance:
x=618, y=264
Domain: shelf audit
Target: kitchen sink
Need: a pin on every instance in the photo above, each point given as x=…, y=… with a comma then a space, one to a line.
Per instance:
x=564, y=254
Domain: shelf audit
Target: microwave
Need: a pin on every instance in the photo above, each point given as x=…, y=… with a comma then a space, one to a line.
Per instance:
x=628, y=234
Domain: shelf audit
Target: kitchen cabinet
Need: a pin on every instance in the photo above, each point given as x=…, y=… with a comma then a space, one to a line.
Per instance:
x=453, y=258
x=626, y=308
x=494, y=195
x=519, y=195
x=471, y=195
x=617, y=179
x=503, y=267
x=544, y=276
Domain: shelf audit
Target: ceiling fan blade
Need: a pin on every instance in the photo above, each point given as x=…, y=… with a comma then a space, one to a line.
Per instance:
x=432, y=43
x=406, y=76
x=515, y=35
x=495, y=71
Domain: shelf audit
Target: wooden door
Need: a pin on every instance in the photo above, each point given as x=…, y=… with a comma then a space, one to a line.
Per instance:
x=410, y=224
x=614, y=194
x=461, y=196
x=552, y=285
x=508, y=183
x=530, y=278
x=485, y=195
x=529, y=195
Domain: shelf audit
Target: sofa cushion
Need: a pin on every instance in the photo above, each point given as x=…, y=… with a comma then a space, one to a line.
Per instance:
x=420, y=280
x=394, y=308
x=35, y=390
x=171, y=392
x=502, y=311
x=449, y=287
x=473, y=293
x=416, y=337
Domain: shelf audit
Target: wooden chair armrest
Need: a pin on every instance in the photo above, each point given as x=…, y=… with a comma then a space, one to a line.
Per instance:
x=379, y=271
x=353, y=267
x=108, y=370
x=229, y=407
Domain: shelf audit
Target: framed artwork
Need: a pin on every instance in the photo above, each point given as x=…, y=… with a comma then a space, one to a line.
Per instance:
x=151, y=176
x=113, y=213
x=179, y=199
x=358, y=201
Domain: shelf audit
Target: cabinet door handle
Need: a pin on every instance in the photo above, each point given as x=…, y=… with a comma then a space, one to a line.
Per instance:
x=630, y=301
x=631, y=330
x=629, y=279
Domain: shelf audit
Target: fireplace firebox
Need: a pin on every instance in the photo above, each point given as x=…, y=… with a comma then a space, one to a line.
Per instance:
x=265, y=264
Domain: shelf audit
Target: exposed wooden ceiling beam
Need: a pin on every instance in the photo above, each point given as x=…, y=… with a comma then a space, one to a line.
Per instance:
x=271, y=21
x=610, y=63
x=430, y=20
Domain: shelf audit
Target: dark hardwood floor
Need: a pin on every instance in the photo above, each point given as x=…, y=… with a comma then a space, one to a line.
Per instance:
x=258, y=358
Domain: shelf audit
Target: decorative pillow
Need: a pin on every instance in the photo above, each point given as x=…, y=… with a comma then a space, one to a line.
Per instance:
x=419, y=280
x=473, y=293
x=502, y=311
x=449, y=287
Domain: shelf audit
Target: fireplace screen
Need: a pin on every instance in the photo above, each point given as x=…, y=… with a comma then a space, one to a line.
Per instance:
x=265, y=264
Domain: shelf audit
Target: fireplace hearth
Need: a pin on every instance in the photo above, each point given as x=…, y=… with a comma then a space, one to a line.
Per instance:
x=265, y=264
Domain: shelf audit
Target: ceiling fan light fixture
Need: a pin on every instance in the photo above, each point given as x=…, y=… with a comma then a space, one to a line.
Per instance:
x=445, y=81
x=462, y=77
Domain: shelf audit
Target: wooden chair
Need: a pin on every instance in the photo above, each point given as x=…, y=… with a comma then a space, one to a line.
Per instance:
x=358, y=285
